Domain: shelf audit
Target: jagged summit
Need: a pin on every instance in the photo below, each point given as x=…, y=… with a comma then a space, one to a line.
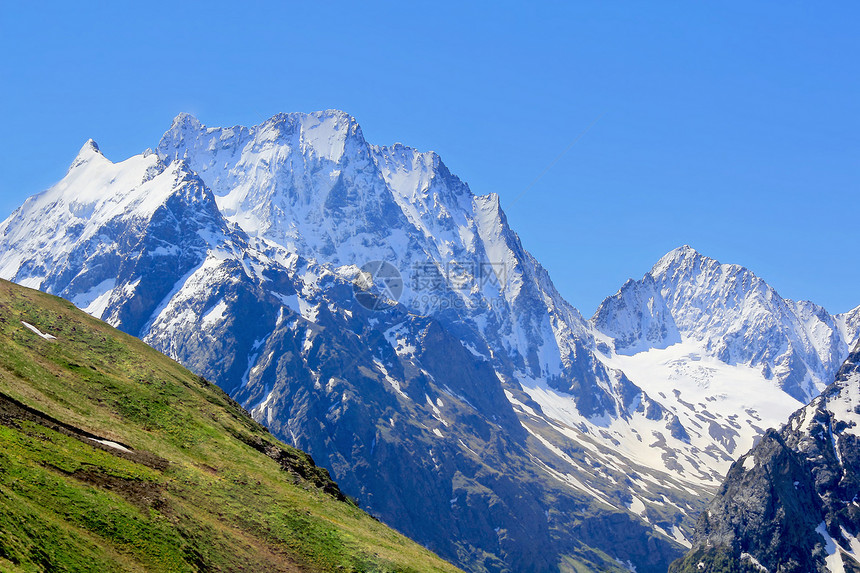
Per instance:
x=99, y=216
x=681, y=256
x=89, y=146
x=686, y=259
x=279, y=124
x=305, y=164
x=88, y=151
x=328, y=142
x=185, y=119
x=422, y=179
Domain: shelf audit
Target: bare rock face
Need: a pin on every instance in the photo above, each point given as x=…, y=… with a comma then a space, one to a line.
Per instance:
x=790, y=504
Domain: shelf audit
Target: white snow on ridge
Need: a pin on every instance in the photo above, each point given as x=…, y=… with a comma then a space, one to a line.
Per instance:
x=638, y=507
x=844, y=406
x=849, y=325
x=72, y=214
x=393, y=382
x=834, y=550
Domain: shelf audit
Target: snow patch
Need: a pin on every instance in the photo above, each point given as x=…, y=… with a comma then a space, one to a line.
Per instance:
x=393, y=382
x=216, y=315
x=834, y=557
x=38, y=332
x=94, y=301
x=111, y=444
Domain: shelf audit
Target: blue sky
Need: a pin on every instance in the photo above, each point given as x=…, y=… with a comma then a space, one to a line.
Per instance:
x=733, y=127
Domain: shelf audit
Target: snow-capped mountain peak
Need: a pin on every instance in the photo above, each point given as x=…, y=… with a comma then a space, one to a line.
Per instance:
x=680, y=257
x=735, y=316
x=86, y=238
x=88, y=152
x=184, y=119
x=288, y=178
x=323, y=134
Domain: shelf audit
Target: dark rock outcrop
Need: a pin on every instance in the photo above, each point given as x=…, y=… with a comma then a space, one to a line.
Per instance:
x=790, y=504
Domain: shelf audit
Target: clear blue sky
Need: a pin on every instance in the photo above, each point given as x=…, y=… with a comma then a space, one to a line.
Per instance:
x=731, y=126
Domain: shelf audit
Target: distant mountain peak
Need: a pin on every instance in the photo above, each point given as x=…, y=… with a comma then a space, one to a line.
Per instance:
x=89, y=150
x=90, y=146
x=325, y=134
x=734, y=315
x=186, y=119
x=684, y=249
x=302, y=117
x=682, y=256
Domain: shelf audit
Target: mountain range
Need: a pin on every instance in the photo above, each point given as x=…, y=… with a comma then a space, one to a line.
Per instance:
x=364, y=305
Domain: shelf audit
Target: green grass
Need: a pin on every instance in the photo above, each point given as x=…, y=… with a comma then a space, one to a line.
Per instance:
x=196, y=493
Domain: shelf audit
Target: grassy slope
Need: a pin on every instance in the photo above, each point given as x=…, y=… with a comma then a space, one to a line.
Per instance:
x=204, y=487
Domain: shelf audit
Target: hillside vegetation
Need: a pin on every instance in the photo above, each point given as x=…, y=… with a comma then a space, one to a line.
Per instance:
x=115, y=458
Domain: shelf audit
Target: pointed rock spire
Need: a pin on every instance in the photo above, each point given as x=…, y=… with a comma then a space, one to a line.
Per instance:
x=89, y=150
